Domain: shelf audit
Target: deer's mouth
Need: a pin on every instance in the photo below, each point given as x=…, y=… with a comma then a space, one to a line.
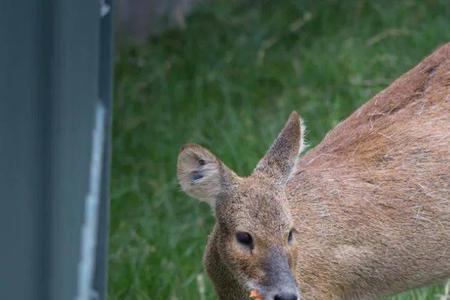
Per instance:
x=265, y=293
x=256, y=291
x=256, y=295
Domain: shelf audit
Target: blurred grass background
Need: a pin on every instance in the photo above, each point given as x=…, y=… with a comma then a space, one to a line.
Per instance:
x=228, y=82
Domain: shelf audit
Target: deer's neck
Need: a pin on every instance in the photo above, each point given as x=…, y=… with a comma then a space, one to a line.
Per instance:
x=368, y=231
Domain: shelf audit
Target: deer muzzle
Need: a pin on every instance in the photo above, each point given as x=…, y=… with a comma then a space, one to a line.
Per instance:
x=279, y=283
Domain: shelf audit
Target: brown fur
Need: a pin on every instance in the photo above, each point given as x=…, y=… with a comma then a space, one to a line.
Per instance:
x=370, y=205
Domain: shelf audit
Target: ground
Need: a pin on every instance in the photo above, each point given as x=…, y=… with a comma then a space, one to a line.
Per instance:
x=228, y=82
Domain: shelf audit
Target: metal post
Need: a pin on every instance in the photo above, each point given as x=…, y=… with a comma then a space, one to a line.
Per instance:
x=55, y=73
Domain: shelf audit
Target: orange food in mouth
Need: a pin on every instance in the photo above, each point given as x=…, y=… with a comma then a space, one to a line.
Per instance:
x=256, y=295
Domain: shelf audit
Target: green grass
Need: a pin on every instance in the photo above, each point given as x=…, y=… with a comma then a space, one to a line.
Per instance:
x=229, y=82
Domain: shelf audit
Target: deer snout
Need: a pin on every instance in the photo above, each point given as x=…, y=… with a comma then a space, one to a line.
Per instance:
x=280, y=282
x=286, y=297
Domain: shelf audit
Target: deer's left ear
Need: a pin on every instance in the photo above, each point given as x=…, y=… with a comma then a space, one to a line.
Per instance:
x=280, y=158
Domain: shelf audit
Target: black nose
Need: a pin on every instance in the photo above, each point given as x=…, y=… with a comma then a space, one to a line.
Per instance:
x=286, y=297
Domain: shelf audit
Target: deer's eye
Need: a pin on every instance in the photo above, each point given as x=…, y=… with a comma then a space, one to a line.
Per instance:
x=244, y=238
x=290, y=236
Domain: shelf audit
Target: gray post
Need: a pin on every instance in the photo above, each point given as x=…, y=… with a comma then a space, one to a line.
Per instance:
x=55, y=114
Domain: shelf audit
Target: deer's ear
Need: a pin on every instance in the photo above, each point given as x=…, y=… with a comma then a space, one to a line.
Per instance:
x=281, y=156
x=202, y=175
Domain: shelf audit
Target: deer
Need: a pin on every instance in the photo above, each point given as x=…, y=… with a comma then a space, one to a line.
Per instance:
x=364, y=214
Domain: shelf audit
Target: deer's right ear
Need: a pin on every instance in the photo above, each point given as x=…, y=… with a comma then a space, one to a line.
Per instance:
x=202, y=175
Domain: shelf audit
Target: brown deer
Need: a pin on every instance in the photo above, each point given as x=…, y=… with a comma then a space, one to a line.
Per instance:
x=364, y=214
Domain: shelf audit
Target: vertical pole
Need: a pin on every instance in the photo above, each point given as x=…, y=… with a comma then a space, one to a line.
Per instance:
x=55, y=71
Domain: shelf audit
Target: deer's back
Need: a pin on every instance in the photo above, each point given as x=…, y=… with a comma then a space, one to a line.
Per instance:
x=373, y=197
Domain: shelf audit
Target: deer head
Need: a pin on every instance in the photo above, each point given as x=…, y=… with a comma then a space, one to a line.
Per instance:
x=254, y=227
